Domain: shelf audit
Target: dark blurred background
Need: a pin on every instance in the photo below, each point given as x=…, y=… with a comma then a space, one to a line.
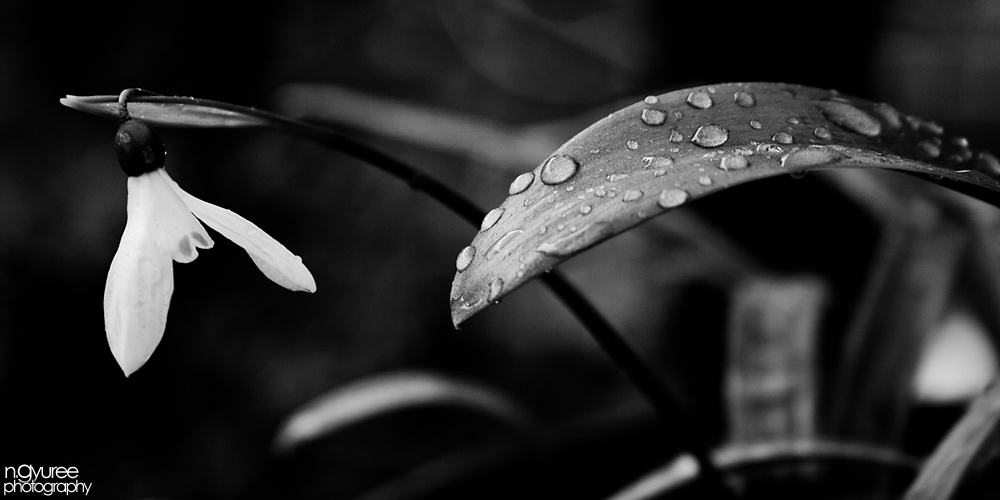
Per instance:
x=240, y=354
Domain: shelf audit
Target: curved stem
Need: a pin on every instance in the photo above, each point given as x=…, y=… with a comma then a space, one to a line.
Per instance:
x=665, y=398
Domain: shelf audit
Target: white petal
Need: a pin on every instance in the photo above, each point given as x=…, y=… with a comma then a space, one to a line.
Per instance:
x=137, y=294
x=272, y=258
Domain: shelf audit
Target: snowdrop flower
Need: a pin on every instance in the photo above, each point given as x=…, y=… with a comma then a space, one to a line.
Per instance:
x=163, y=226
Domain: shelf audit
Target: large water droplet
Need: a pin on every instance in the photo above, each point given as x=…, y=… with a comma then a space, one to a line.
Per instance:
x=632, y=195
x=491, y=218
x=521, y=183
x=653, y=117
x=850, y=118
x=710, y=136
x=808, y=157
x=783, y=138
x=673, y=197
x=700, y=99
x=559, y=169
x=586, y=209
x=496, y=288
x=656, y=161
x=988, y=164
x=465, y=258
x=744, y=99
x=733, y=162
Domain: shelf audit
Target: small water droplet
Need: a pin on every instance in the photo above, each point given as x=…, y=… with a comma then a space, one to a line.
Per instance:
x=850, y=118
x=465, y=258
x=617, y=177
x=744, y=99
x=559, y=169
x=793, y=121
x=569, y=189
x=733, y=162
x=659, y=172
x=651, y=99
x=542, y=229
x=632, y=144
x=653, y=117
x=504, y=241
x=782, y=138
x=961, y=142
x=889, y=114
x=496, y=288
x=710, y=136
x=672, y=197
x=675, y=136
x=601, y=192
x=699, y=99
x=929, y=149
x=988, y=164
x=586, y=209
x=656, y=161
x=678, y=115
x=754, y=124
x=521, y=183
x=822, y=133
x=491, y=218
x=705, y=180
x=808, y=157
x=632, y=195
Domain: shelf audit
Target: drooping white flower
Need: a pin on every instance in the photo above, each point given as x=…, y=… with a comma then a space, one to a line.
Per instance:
x=162, y=228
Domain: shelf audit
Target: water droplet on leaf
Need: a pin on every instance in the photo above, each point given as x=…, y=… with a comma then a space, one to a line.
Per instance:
x=808, y=157
x=632, y=144
x=744, y=99
x=822, y=133
x=782, y=138
x=465, y=258
x=653, y=117
x=672, y=197
x=586, y=209
x=988, y=164
x=675, y=136
x=733, y=162
x=521, y=183
x=496, y=288
x=929, y=149
x=632, y=195
x=705, y=180
x=850, y=117
x=651, y=99
x=754, y=124
x=710, y=136
x=491, y=218
x=656, y=161
x=699, y=99
x=559, y=169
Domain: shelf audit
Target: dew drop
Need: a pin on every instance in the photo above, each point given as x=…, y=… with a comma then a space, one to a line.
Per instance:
x=465, y=258
x=678, y=114
x=542, y=229
x=705, y=180
x=659, y=172
x=782, y=138
x=733, y=162
x=793, y=121
x=769, y=149
x=699, y=99
x=586, y=209
x=889, y=114
x=504, y=241
x=929, y=149
x=617, y=177
x=632, y=144
x=631, y=195
x=675, y=136
x=808, y=157
x=559, y=169
x=710, y=136
x=521, y=183
x=988, y=164
x=600, y=192
x=754, y=124
x=822, y=133
x=496, y=288
x=656, y=161
x=491, y=218
x=850, y=118
x=651, y=99
x=744, y=99
x=653, y=117
x=672, y=197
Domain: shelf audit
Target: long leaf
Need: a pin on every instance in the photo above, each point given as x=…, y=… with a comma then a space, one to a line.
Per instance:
x=670, y=149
